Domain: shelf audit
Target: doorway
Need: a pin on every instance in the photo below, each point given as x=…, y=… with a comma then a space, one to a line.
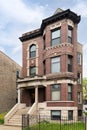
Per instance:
x=32, y=96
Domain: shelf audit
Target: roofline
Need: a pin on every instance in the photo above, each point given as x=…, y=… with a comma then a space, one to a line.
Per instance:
x=31, y=35
x=9, y=58
x=59, y=16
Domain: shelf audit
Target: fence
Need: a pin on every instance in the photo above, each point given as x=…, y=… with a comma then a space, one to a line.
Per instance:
x=39, y=122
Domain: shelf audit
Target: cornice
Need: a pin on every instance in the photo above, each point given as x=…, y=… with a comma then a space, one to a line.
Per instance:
x=68, y=14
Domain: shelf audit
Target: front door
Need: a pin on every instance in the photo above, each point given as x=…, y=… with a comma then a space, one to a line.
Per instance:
x=32, y=96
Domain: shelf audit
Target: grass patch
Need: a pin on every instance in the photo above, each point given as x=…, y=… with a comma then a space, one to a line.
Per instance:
x=56, y=126
x=2, y=117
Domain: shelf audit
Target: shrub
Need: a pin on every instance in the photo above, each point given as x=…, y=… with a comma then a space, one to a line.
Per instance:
x=2, y=117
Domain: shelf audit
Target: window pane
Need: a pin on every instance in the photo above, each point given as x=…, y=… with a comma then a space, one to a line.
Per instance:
x=79, y=78
x=70, y=115
x=70, y=96
x=69, y=60
x=80, y=113
x=69, y=40
x=55, y=37
x=55, y=87
x=55, y=92
x=69, y=63
x=33, y=71
x=79, y=58
x=55, y=34
x=33, y=48
x=55, y=59
x=55, y=64
x=56, y=95
x=33, y=51
x=33, y=54
x=55, y=114
x=69, y=88
x=69, y=92
x=56, y=41
x=79, y=97
x=70, y=33
x=55, y=68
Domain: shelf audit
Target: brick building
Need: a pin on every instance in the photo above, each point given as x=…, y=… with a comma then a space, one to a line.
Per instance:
x=51, y=82
x=8, y=94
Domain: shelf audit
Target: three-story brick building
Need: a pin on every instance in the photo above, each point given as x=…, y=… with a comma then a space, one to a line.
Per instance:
x=52, y=63
x=51, y=83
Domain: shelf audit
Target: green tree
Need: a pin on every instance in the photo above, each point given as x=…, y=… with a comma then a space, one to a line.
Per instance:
x=85, y=88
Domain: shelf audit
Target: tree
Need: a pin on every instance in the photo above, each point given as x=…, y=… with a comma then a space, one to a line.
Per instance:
x=85, y=88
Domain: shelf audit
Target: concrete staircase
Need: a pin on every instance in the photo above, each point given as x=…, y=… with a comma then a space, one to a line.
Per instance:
x=16, y=119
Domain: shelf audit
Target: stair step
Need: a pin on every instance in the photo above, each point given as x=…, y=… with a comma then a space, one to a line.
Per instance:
x=16, y=119
x=22, y=111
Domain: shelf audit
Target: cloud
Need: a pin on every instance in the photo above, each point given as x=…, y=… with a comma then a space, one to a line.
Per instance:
x=80, y=8
x=18, y=11
x=16, y=17
x=16, y=50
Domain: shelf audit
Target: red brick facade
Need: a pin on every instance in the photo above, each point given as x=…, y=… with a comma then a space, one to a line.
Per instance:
x=42, y=61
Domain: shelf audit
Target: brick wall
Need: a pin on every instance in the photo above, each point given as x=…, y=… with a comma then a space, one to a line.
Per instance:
x=8, y=92
x=63, y=50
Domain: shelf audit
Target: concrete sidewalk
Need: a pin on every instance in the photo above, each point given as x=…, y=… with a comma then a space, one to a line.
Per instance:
x=4, y=127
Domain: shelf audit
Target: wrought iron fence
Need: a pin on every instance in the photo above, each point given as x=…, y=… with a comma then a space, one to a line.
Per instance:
x=39, y=122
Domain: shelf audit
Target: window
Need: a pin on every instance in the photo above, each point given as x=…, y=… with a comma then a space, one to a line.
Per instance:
x=55, y=92
x=44, y=42
x=17, y=74
x=79, y=97
x=79, y=112
x=56, y=114
x=32, y=71
x=55, y=64
x=70, y=92
x=55, y=37
x=70, y=115
x=32, y=51
x=79, y=78
x=79, y=58
x=44, y=67
x=69, y=34
x=69, y=63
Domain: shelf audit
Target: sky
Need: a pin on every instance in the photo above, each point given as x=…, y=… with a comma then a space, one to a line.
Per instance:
x=21, y=16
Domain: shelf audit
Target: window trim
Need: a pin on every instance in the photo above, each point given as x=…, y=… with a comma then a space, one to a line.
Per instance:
x=70, y=37
x=70, y=118
x=56, y=90
x=79, y=78
x=34, y=67
x=57, y=117
x=79, y=58
x=59, y=37
x=55, y=63
x=79, y=97
x=70, y=65
x=31, y=56
x=70, y=93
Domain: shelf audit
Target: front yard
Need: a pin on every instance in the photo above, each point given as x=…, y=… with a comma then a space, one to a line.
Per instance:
x=57, y=126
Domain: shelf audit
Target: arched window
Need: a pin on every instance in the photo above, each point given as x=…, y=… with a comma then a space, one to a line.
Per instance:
x=32, y=51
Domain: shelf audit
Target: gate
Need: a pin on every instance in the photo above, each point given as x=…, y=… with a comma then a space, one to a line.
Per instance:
x=25, y=121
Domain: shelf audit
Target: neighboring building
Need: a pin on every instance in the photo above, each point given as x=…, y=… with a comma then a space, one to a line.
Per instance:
x=51, y=82
x=8, y=74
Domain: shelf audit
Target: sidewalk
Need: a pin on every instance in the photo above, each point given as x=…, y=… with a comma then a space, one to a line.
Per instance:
x=3, y=127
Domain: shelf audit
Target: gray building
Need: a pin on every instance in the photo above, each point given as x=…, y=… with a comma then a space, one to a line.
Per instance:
x=9, y=70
